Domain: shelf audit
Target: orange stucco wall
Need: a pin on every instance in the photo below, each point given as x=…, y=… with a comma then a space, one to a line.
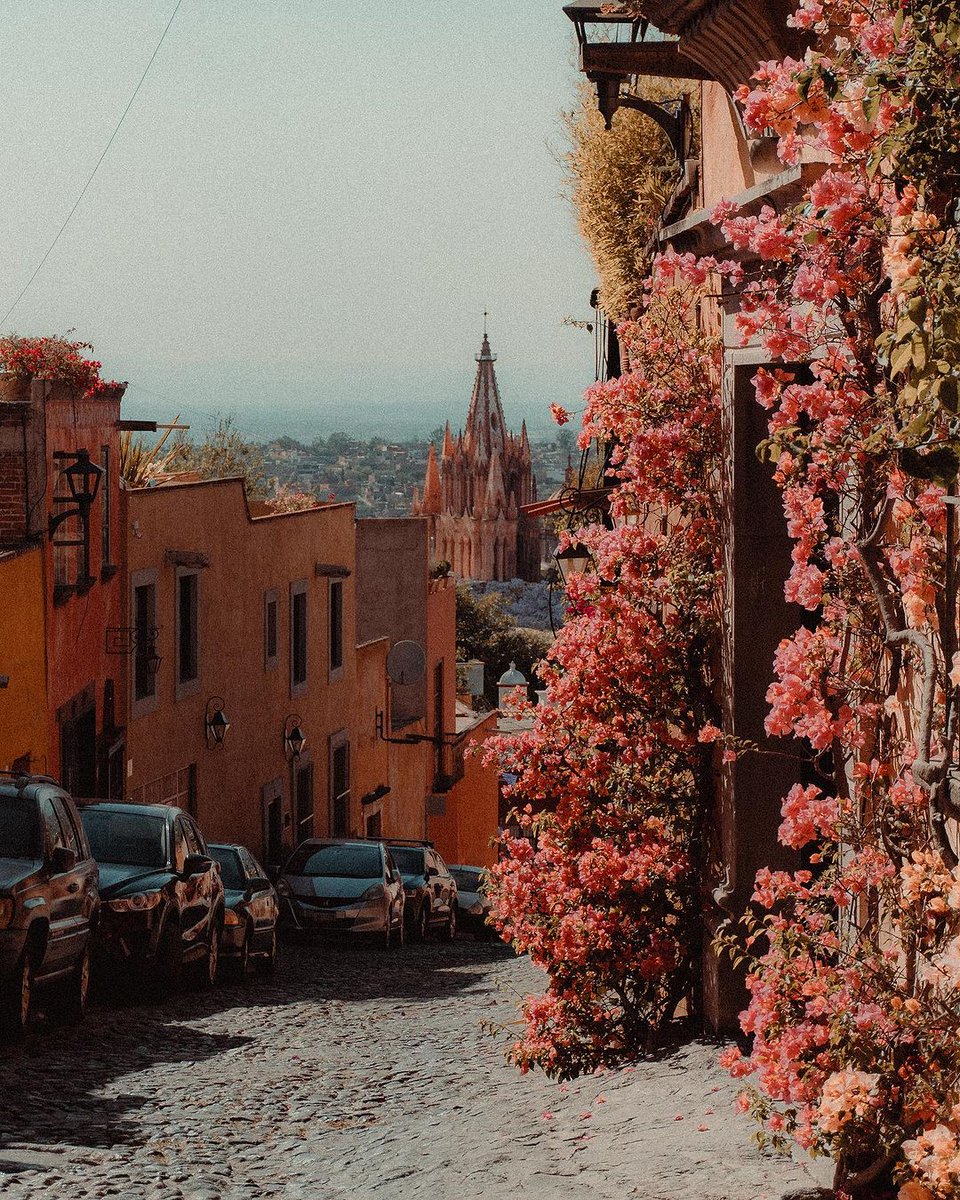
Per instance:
x=729, y=163
x=372, y=757
x=78, y=652
x=23, y=703
x=248, y=557
x=465, y=831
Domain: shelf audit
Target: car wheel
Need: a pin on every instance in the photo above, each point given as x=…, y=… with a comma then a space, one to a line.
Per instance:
x=422, y=927
x=168, y=966
x=450, y=929
x=267, y=964
x=388, y=932
x=244, y=961
x=401, y=932
x=209, y=966
x=16, y=998
x=73, y=1001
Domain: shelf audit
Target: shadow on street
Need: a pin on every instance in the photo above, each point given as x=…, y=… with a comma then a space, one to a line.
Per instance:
x=51, y=1083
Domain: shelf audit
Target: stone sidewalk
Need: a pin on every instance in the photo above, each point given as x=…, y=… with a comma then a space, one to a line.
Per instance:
x=358, y=1072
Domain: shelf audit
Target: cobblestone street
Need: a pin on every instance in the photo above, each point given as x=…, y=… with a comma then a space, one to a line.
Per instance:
x=359, y=1072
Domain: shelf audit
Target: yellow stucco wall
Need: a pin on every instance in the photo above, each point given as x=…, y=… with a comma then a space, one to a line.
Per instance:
x=23, y=703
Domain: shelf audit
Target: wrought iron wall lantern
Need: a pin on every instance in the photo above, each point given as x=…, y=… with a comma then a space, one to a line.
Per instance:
x=616, y=45
x=294, y=739
x=575, y=559
x=147, y=652
x=83, y=481
x=126, y=639
x=378, y=793
x=216, y=722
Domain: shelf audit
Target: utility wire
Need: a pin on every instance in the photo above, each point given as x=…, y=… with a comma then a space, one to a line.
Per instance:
x=50, y=248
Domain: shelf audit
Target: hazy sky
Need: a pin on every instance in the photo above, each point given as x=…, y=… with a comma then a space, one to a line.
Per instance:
x=307, y=208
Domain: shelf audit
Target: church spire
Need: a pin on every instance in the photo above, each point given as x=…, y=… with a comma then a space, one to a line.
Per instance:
x=430, y=503
x=485, y=432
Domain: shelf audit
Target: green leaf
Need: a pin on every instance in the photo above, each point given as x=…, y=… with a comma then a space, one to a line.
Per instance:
x=939, y=466
x=948, y=393
x=871, y=106
x=918, y=427
x=900, y=359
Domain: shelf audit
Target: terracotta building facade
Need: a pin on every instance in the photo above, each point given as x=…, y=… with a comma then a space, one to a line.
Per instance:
x=243, y=666
x=473, y=497
x=61, y=575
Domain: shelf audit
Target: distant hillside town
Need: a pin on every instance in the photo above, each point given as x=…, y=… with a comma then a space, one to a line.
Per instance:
x=380, y=476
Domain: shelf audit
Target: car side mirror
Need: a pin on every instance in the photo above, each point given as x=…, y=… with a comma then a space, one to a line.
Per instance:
x=196, y=864
x=432, y=872
x=62, y=860
x=259, y=884
x=397, y=877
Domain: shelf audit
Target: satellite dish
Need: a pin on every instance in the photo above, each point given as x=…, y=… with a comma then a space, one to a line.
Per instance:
x=406, y=663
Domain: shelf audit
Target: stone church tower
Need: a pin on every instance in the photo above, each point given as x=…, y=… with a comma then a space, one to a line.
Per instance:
x=473, y=497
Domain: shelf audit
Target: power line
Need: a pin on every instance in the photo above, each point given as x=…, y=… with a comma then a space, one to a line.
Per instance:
x=83, y=191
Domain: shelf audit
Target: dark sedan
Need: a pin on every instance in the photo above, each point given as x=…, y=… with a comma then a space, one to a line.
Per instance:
x=251, y=910
x=474, y=904
x=161, y=897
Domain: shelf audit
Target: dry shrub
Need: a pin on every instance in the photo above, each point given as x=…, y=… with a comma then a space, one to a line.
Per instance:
x=619, y=180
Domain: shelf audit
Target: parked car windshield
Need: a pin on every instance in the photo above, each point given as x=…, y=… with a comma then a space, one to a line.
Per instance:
x=19, y=829
x=230, y=869
x=409, y=860
x=469, y=881
x=342, y=862
x=133, y=839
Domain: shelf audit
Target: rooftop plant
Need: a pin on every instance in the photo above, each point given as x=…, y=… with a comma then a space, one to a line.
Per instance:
x=54, y=358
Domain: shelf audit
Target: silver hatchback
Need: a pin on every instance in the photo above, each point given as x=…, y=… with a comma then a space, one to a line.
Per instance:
x=339, y=886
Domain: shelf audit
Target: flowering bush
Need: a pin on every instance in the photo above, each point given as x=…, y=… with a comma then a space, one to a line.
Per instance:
x=602, y=884
x=854, y=960
x=286, y=499
x=53, y=358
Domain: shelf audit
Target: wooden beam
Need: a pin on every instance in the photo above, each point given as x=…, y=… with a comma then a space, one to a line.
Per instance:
x=661, y=60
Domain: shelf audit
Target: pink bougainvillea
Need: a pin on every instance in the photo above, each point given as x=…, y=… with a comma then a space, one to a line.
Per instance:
x=601, y=881
x=53, y=358
x=854, y=960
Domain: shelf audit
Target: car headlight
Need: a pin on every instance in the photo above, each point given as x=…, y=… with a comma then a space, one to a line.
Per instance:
x=8, y=907
x=373, y=893
x=231, y=918
x=139, y=903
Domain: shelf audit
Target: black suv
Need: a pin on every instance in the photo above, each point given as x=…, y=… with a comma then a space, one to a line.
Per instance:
x=48, y=899
x=161, y=893
x=431, y=891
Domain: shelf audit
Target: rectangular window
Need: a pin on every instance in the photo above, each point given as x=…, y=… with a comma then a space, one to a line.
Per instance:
x=438, y=706
x=303, y=801
x=188, y=631
x=270, y=633
x=298, y=638
x=106, y=540
x=336, y=626
x=339, y=785
x=144, y=600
